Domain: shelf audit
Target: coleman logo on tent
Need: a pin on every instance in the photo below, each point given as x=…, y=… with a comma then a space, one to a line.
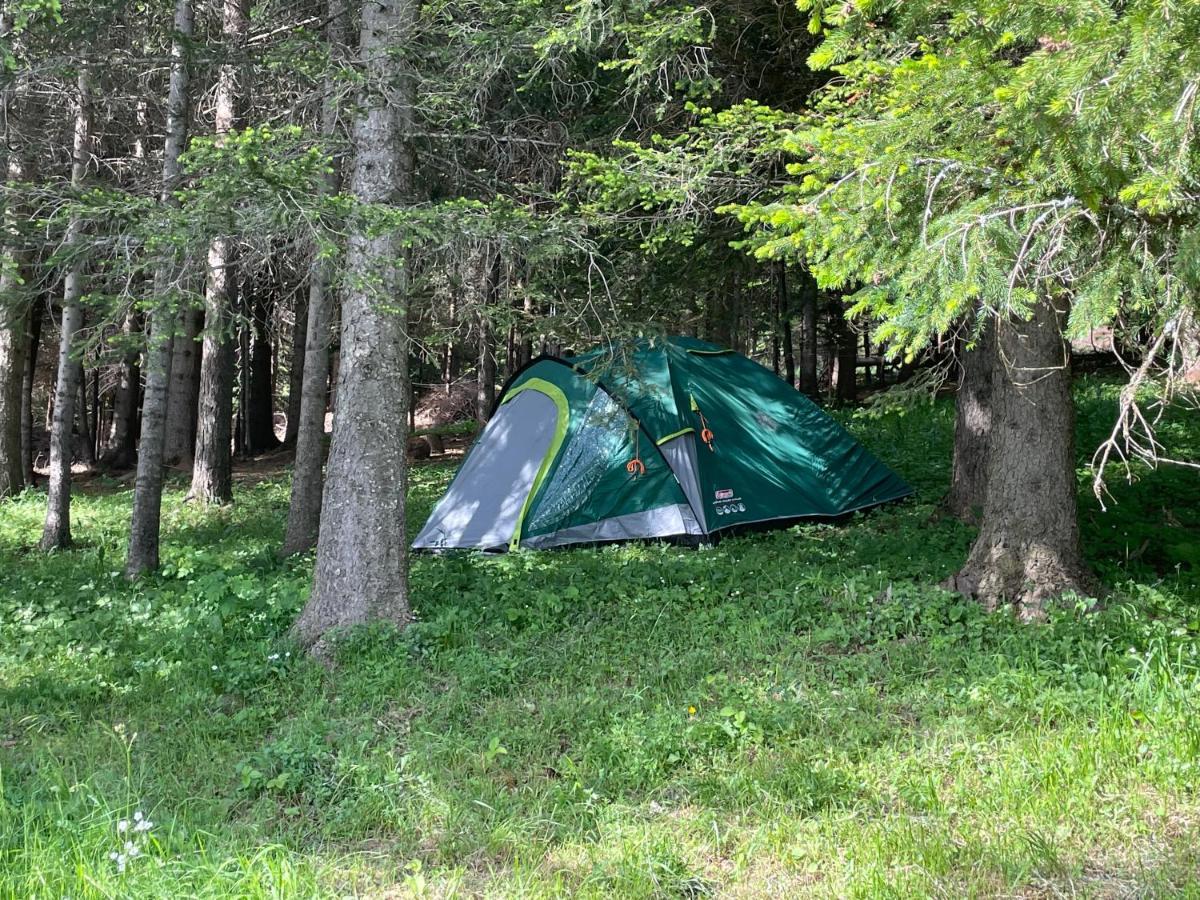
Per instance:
x=724, y=495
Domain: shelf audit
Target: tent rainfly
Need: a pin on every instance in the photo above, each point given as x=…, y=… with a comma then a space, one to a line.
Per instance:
x=665, y=439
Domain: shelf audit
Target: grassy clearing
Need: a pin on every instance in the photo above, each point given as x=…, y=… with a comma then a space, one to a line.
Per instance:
x=795, y=713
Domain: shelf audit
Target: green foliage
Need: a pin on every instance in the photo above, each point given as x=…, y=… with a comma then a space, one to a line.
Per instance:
x=973, y=155
x=801, y=708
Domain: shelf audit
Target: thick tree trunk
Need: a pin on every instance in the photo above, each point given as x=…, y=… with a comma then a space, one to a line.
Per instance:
x=972, y=429
x=296, y=369
x=147, y=495
x=212, y=467
x=184, y=390
x=1028, y=551
x=304, y=508
x=361, y=572
x=36, y=315
x=122, y=451
x=56, y=532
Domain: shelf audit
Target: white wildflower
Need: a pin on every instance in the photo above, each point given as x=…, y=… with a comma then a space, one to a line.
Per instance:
x=131, y=849
x=122, y=826
x=273, y=657
x=214, y=668
x=143, y=825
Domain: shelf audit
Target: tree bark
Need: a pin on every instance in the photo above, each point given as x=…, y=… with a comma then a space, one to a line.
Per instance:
x=13, y=350
x=785, y=327
x=122, y=451
x=184, y=390
x=361, y=572
x=16, y=319
x=1028, y=551
x=485, y=276
x=85, y=436
x=972, y=429
x=56, y=533
x=260, y=410
x=36, y=315
x=212, y=468
x=847, y=355
x=296, y=369
x=808, y=338
x=304, y=508
x=147, y=496
x=13, y=308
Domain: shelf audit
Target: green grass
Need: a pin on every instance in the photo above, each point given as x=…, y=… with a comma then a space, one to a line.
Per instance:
x=795, y=713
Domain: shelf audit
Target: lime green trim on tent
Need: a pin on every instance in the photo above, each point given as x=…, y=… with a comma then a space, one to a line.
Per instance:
x=560, y=432
x=670, y=437
x=696, y=352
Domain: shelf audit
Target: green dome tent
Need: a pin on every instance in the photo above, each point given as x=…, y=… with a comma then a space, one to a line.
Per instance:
x=659, y=439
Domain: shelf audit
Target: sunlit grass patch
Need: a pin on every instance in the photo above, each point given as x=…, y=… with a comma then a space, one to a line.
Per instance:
x=795, y=713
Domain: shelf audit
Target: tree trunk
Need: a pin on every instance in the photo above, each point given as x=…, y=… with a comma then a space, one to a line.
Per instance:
x=212, y=468
x=485, y=397
x=122, y=451
x=304, y=508
x=785, y=327
x=808, y=338
x=779, y=316
x=847, y=355
x=972, y=429
x=296, y=369
x=1028, y=551
x=16, y=319
x=147, y=495
x=241, y=431
x=13, y=307
x=485, y=275
x=260, y=410
x=361, y=572
x=36, y=315
x=13, y=350
x=184, y=390
x=85, y=437
x=56, y=532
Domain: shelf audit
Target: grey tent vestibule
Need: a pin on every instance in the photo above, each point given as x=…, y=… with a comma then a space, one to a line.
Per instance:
x=667, y=439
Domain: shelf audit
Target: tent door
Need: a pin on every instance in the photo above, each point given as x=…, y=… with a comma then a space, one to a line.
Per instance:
x=485, y=505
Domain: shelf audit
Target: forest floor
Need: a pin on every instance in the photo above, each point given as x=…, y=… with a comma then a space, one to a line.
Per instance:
x=788, y=714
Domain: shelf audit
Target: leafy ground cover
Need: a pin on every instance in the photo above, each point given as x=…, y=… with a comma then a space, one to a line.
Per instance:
x=795, y=713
